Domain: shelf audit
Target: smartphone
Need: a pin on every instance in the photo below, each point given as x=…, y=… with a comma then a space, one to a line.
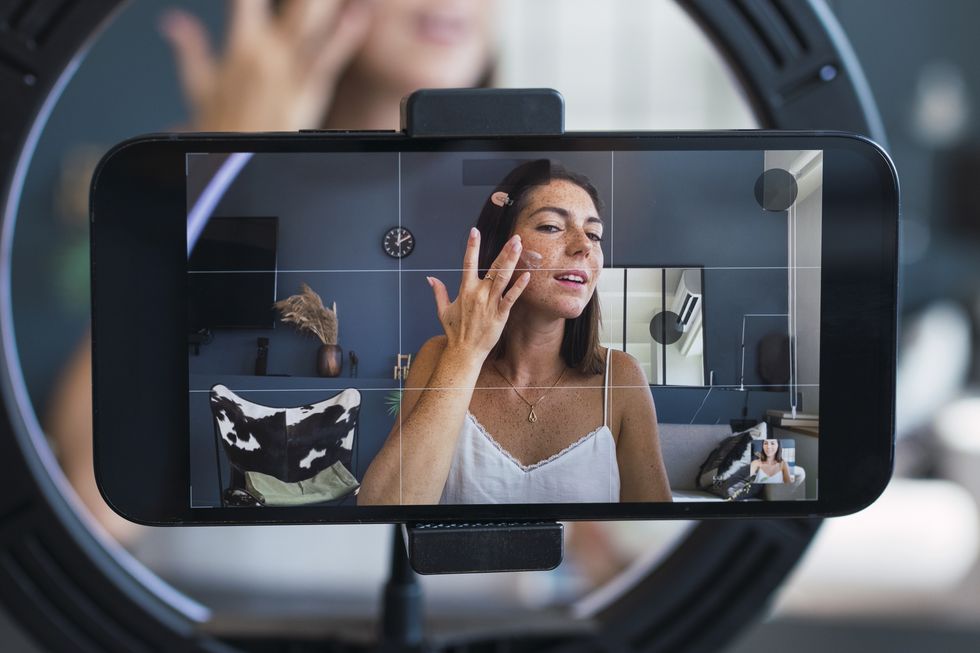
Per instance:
x=704, y=325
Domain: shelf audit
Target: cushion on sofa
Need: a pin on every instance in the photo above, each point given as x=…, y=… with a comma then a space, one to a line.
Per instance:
x=684, y=447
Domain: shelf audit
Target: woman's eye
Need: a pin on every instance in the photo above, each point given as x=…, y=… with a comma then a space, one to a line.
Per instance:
x=548, y=228
x=596, y=237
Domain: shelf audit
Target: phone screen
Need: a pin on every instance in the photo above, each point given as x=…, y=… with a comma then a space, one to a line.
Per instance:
x=664, y=345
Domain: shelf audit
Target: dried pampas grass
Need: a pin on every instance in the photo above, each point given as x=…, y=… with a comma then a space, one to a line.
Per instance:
x=308, y=314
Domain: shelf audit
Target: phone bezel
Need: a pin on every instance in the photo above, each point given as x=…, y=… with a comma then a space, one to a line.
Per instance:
x=145, y=478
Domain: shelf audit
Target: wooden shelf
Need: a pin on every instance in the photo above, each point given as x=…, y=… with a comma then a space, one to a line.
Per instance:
x=199, y=382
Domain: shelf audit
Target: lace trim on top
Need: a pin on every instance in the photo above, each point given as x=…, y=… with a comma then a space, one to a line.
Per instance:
x=540, y=463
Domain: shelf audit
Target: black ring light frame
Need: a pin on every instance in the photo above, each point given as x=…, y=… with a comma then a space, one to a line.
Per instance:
x=71, y=590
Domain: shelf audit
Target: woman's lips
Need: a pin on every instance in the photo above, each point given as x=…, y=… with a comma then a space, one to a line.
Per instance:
x=579, y=279
x=570, y=284
x=573, y=278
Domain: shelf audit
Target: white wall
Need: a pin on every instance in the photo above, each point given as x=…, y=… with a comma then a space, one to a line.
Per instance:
x=806, y=456
x=805, y=246
x=622, y=64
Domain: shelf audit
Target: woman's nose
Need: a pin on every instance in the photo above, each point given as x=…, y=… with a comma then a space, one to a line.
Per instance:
x=579, y=242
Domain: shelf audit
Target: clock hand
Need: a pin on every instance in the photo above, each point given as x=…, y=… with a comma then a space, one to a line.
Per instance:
x=401, y=240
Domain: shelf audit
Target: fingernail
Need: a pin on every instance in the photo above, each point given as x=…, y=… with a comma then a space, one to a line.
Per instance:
x=429, y=279
x=474, y=232
x=516, y=245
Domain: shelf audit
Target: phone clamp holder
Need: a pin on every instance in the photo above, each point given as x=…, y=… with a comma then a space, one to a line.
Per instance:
x=484, y=546
x=474, y=547
x=467, y=547
x=461, y=112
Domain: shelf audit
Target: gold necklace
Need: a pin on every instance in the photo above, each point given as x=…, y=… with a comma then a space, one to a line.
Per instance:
x=531, y=416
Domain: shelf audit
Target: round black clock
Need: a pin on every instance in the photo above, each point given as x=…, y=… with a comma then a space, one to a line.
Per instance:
x=398, y=242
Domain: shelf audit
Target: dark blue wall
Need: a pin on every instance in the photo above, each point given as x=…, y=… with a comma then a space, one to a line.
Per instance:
x=332, y=211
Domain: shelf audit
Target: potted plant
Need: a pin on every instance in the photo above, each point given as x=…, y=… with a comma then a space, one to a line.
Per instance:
x=307, y=313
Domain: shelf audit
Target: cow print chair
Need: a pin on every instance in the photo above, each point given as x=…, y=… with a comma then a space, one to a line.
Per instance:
x=289, y=444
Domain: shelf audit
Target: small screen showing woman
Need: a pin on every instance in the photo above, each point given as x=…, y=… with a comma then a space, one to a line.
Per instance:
x=772, y=461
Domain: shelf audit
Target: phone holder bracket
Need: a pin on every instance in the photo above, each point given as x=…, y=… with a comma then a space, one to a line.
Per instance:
x=478, y=547
x=462, y=112
x=487, y=546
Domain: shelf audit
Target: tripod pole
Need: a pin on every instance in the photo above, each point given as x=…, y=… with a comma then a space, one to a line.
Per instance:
x=401, y=612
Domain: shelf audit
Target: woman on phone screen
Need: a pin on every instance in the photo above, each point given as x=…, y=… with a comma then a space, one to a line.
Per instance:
x=518, y=402
x=769, y=466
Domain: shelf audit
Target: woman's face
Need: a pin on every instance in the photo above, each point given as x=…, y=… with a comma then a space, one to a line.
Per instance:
x=561, y=223
x=769, y=448
x=416, y=44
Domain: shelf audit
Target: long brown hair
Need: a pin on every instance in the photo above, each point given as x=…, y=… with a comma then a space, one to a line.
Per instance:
x=580, y=344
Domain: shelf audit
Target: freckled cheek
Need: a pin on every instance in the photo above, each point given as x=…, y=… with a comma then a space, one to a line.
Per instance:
x=539, y=279
x=535, y=243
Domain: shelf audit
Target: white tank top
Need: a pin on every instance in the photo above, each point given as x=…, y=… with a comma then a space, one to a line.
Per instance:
x=762, y=477
x=585, y=471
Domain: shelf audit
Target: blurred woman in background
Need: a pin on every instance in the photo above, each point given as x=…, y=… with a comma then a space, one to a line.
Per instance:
x=332, y=64
x=285, y=66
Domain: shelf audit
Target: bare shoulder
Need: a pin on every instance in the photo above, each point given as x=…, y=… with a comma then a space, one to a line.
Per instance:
x=425, y=360
x=630, y=399
x=433, y=347
x=625, y=370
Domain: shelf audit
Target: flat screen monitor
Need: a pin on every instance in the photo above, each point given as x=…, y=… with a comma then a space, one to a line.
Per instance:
x=232, y=280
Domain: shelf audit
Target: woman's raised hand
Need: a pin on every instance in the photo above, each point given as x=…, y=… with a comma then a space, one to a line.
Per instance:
x=278, y=71
x=475, y=320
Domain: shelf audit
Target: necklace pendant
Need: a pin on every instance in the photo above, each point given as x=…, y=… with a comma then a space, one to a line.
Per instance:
x=531, y=417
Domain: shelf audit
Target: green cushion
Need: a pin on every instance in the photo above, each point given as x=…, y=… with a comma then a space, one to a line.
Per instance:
x=332, y=483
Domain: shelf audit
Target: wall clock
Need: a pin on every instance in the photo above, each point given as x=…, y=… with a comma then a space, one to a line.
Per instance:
x=398, y=242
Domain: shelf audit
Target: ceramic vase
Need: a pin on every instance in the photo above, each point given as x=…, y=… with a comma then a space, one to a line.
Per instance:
x=330, y=360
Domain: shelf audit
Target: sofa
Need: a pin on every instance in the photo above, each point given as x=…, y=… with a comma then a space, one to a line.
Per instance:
x=686, y=446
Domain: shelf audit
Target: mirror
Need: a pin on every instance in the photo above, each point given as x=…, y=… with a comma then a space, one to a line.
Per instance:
x=656, y=315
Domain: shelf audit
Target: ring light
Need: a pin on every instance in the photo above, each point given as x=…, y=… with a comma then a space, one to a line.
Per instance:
x=70, y=590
